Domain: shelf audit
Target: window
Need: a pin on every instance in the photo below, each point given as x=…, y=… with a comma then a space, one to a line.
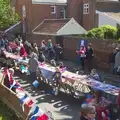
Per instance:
x=62, y=13
x=86, y=9
x=53, y=9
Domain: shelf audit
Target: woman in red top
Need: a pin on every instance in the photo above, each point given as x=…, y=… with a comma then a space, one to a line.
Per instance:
x=22, y=51
x=82, y=55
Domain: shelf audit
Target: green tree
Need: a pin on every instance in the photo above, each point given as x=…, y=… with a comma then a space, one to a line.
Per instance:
x=8, y=16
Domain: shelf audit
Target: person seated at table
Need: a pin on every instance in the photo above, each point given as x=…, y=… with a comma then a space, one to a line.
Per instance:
x=99, y=100
x=53, y=63
x=41, y=57
x=9, y=49
x=57, y=76
x=22, y=50
x=94, y=75
x=87, y=112
x=61, y=65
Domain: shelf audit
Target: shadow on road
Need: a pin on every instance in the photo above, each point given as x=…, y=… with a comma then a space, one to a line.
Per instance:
x=63, y=107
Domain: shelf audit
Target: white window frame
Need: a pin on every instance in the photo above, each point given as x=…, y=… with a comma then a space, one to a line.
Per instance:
x=64, y=13
x=86, y=8
x=54, y=7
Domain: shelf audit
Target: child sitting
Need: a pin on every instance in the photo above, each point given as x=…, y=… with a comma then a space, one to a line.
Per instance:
x=53, y=63
x=61, y=65
x=94, y=75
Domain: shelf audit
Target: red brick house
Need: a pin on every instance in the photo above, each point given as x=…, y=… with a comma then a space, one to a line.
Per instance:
x=83, y=11
x=37, y=11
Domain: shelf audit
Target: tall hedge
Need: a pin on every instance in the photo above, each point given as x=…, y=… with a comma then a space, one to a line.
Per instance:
x=103, y=32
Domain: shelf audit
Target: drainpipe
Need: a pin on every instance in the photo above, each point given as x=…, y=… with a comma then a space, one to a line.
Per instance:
x=24, y=19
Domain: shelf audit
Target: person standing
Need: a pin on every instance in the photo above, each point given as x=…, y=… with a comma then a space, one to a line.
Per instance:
x=35, y=48
x=2, y=43
x=6, y=43
x=82, y=55
x=59, y=52
x=28, y=47
x=33, y=66
x=89, y=57
x=51, y=52
x=117, y=60
x=112, y=60
x=43, y=45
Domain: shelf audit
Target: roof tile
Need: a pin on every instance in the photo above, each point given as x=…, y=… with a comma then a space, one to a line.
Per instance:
x=51, y=26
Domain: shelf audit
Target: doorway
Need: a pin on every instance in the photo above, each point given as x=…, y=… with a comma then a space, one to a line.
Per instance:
x=59, y=40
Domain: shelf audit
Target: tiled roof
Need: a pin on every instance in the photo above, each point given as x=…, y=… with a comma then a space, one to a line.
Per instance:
x=51, y=26
x=113, y=15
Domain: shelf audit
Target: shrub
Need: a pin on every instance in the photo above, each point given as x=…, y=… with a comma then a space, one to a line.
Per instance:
x=110, y=32
x=96, y=33
x=103, y=32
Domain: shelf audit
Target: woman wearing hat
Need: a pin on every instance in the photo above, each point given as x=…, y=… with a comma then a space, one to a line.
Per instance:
x=87, y=112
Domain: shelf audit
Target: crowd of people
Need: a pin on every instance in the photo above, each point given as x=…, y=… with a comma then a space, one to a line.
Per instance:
x=45, y=52
x=48, y=51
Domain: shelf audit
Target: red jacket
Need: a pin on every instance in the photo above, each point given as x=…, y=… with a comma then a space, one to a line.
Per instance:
x=82, y=51
x=23, y=51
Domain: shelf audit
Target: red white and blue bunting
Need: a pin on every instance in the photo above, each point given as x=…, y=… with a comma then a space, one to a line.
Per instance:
x=35, y=112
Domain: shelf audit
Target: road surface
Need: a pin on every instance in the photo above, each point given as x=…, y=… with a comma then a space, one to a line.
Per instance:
x=63, y=107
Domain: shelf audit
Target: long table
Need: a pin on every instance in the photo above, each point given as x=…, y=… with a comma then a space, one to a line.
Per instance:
x=73, y=78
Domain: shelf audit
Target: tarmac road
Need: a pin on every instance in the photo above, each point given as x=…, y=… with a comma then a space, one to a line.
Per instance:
x=63, y=107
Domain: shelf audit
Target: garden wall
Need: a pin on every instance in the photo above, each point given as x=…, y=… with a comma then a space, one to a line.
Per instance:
x=9, y=97
x=102, y=49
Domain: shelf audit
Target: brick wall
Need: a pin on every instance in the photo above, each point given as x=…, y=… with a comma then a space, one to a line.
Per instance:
x=38, y=38
x=102, y=49
x=74, y=9
x=88, y=20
